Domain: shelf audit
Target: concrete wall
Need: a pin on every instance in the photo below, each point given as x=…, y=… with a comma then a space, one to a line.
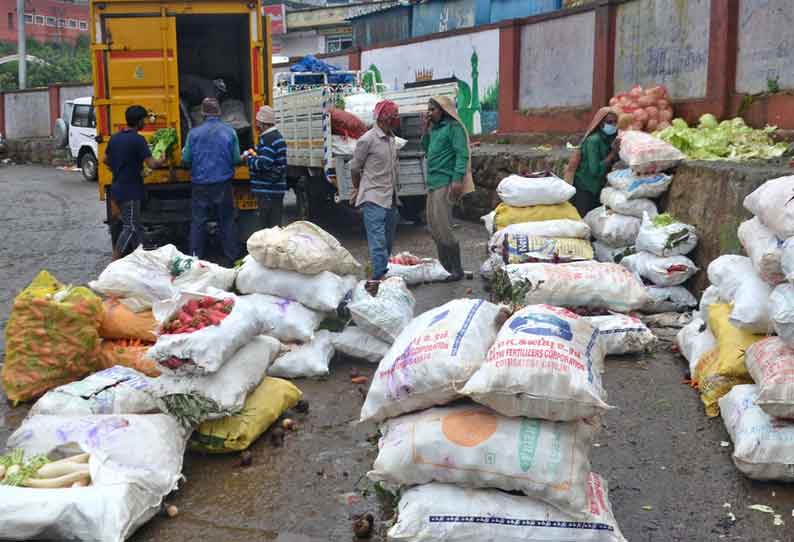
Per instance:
x=663, y=42
x=442, y=58
x=300, y=43
x=766, y=45
x=27, y=114
x=557, y=72
x=501, y=10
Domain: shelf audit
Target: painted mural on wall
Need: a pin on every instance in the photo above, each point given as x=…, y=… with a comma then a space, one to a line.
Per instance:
x=663, y=42
x=471, y=58
x=766, y=46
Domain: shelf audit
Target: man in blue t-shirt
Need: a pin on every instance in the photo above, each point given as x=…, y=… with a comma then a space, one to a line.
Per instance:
x=125, y=155
x=212, y=150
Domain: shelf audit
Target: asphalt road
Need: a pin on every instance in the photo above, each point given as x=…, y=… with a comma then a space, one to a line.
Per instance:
x=669, y=477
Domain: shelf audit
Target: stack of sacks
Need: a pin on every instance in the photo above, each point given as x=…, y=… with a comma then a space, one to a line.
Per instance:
x=630, y=193
x=535, y=223
x=539, y=401
x=660, y=259
x=760, y=417
x=734, y=314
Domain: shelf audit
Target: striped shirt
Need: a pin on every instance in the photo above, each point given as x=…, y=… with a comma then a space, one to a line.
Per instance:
x=269, y=167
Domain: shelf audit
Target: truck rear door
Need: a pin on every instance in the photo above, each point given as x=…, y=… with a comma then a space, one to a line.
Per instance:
x=137, y=66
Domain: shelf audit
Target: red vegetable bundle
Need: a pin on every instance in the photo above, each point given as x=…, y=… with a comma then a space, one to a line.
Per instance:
x=197, y=314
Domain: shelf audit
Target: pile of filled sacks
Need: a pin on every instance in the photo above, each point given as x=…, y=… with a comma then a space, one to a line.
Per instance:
x=181, y=353
x=535, y=222
x=473, y=403
x=740, y=345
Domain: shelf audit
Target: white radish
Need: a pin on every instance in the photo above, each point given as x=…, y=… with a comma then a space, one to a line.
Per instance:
x=55, y=470
x=2, y=471
x=79, y=458
x=81, y=483
x=60, y=482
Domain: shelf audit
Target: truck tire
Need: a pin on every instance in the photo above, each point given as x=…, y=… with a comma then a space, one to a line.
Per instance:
x=88, y=163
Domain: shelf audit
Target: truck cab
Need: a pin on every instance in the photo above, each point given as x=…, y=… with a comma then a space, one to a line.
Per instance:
x=76, y=129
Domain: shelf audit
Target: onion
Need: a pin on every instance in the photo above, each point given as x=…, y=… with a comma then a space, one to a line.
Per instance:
x=640, y=115
x=624, y=101
x=625, y=120
x=652, y=125
x=645, y=101
x=663, y=104
x=617, y=109
x=613, y=102
x=662, y=125
x=666, y=115
x=653, y=112
x=637, y=126
x=636, y=91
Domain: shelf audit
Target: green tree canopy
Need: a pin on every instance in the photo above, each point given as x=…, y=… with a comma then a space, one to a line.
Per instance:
x=66, y=63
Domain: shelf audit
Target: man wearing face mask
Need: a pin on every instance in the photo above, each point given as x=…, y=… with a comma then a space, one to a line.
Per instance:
x=597, y=154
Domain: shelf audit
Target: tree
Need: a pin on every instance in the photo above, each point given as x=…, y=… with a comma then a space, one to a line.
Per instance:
x=65, y=63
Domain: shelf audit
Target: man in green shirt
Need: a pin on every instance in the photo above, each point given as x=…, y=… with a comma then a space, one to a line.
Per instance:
x=599, y=152
x=446, y=145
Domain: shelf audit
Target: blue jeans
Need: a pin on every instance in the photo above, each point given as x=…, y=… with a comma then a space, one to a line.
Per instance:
x=381, y=226
x=217, y=199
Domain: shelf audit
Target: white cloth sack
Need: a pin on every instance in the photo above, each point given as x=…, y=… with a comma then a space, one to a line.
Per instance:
x=781, y=311
x=771, y=203
x=751, y=304
x=322, y=292
x=546, y=363
x=491, y=265
x=357, y=343
x=770, y=362
x=302, y=247
x=639, y=186
x=448, y=444
x=570, y=229
x=231, y=384
x=579, y=284
x=432, y=358
x=136, y=460
x=644, y=153
x=695, y=340
x=669, y=271
x=205, y=350
x=519, y=191
x=362, y=105
x=710, y=297
x=487, y=221
x=146, y=276
x=428, y=270
x=612, y=228
x=677, y=239
x=284, y=319
x=343, y=145
x=117, y=390
x=622, y=203
x=764, y=248
x=669, y=299
x=787, y=259
x=453, y=514
x=386, y=314
x=307, y=360
x=763, y=447
x=622, y=334
x=727, y=273
x=608, y=254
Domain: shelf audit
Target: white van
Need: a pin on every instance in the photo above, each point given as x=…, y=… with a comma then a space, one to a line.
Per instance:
x=77, y=130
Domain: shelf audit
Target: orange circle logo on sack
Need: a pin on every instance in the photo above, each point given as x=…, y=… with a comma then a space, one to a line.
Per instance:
x=469, y=428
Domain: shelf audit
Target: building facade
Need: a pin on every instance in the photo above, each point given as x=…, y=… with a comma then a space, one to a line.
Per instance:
x=45, y=20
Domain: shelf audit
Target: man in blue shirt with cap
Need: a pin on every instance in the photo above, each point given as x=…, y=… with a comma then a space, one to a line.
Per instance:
x=212, y=150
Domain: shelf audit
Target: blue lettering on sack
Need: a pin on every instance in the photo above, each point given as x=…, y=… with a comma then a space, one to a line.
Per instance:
x=465, y=327
x=496, y=520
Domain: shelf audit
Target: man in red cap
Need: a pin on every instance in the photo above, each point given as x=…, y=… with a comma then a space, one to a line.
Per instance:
x=375, y=173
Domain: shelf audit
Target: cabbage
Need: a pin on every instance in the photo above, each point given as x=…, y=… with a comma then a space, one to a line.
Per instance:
x=707, y=121
x=727, y=140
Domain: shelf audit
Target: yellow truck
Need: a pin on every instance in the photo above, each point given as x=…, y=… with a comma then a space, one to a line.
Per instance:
x=166, y=56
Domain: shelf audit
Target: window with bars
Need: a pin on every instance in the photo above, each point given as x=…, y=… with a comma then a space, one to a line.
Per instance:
x=40, y=19
x=334, y=44
x=52, y=21
x=83, y=25
x=28, y=18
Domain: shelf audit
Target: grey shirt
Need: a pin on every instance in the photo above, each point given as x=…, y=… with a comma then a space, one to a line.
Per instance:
x=375, y=158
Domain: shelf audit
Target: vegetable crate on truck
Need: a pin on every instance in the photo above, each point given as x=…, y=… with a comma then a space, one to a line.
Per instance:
x=167, y=56
x=318, y=161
